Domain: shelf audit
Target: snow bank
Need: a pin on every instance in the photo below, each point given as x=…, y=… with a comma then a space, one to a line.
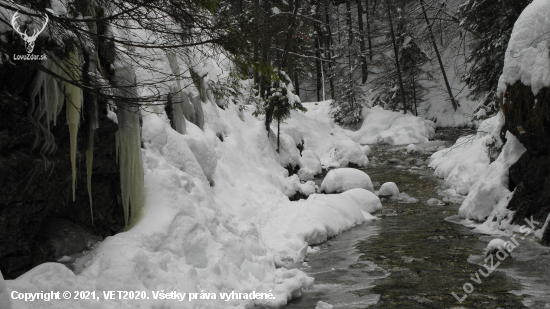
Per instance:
x=491, y=192
x=389, y=189
x=387, y=127
x=293, y=226
x=463, y=164
x=310, y=165
x=323, y=305
x=323, y=137
x=526, y=58
x=343, y=179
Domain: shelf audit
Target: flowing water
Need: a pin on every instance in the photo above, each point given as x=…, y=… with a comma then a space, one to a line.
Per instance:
x=412, y=257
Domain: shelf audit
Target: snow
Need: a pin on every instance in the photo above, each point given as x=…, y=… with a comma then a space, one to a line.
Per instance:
x=343, y=179
x=387, y=127
x=5, y=302
x=368, y=201
x=367, y=151
x=490, y=193
x=496, y=243
x=323, y=305
x=310, y=165
x=291, y=227
x=526, y=57
x=412, y=148
x=323, y=137
x=216, y=215
x=462, y=164
x=389, y=189
x=435, y=202
x=346, y=152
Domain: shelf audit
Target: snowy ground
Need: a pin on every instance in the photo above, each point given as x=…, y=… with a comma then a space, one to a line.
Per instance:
x=217, y=217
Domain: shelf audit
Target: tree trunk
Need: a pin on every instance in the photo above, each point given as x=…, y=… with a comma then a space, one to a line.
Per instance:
x=328, y=48
x=278, y=132
x=351, y=98
x=364, y=69
x=396, y=53
x=368, y=32
x=296, y=84
x=455, y=104
x=287, y=55
x=265, y=48
x=318, y=62
x=255, y=40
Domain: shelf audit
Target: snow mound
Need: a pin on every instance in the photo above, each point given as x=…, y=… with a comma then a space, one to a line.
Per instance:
x=343, y=179
x=293, y=185
x=368, y=201
x=323, y=305
x=404, y=198
x=382, y=126
x=348, y=151
x=412, y=148
x=435, y=202
x=293, y=226
x=367, y=151
x=389, y=189
x=463, y=164
x=491, y=192
x=310, y=165
x=526, y=58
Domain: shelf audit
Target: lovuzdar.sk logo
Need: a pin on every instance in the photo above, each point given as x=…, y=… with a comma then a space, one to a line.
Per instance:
x=29, y=39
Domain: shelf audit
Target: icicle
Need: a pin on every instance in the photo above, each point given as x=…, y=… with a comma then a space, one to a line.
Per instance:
x=179, y=120
x=94, y=124
x=128, y=140
x=74, y=107
x=46, y=96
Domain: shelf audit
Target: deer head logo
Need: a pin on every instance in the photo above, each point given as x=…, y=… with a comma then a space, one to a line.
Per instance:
x=29, y=40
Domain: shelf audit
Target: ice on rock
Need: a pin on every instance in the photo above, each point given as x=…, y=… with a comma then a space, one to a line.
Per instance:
x=310, y=165
x=343, y=179
x=389, y=189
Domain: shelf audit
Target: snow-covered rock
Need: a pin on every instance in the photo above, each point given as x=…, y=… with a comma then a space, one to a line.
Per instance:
x=367, y=200
x=526, y=57
x=462, y=164
x=490, y=193
x=389, y=189
x=343, y=179
x=435, y=202
x=382, y=126
x=310, y=165
x=348, y=151
x=412, y=148
x=323, y=305
x=367, y=151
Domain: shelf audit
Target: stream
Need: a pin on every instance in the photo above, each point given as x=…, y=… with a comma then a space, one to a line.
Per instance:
x=414, y=256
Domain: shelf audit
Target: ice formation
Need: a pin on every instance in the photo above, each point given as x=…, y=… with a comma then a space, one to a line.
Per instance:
x=128, y=140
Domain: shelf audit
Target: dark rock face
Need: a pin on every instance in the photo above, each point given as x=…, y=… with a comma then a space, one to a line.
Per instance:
x=530, y=175
x=29, y=192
